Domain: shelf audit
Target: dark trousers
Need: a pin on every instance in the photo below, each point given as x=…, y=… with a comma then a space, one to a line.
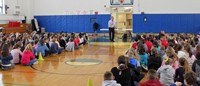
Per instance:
x=111, y=33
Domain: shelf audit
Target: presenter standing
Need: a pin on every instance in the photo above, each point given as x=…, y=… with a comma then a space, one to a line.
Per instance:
x=112, y=26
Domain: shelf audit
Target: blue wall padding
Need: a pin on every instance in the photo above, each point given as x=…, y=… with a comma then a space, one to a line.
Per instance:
x=72, y=23
x=175, y=23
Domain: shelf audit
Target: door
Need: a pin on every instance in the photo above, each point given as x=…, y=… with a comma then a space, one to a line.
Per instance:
x=121, y=20
x=129, y=21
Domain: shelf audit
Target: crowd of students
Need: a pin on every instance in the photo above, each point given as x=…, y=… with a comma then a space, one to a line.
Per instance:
x=25, y=48
x=168, y=59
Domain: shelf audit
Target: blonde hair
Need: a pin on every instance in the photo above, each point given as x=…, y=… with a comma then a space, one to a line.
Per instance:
x=169, y=51
x=173, y=57
x=132, y=53
x=184, y=63
x=167, y=61
x=29, y=47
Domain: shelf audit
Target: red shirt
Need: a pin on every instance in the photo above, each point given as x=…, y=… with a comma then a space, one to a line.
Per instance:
x=76, y=41
x=149, y=45
x=26, y=57
x=134, y=45
x=151, y=83
x=164, y=43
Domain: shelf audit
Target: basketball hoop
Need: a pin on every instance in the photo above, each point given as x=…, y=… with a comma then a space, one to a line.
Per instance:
x=121, y=2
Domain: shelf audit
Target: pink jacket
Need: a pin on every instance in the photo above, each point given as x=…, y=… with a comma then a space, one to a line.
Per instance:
x=26, y=57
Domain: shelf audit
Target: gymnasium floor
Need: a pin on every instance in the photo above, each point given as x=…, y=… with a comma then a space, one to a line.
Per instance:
x=70, y=68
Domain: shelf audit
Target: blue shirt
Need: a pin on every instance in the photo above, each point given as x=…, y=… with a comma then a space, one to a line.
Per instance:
x=133, y=61
x=158, y=48
x=144, y=59
x=6, y=60
x=54, y=48
x=41, y=49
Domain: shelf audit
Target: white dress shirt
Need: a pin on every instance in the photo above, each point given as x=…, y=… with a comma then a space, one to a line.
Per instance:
x=111, y=24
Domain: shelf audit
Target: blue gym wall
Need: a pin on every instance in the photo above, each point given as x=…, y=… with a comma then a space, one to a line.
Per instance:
x=176, y=23
x=72, y=23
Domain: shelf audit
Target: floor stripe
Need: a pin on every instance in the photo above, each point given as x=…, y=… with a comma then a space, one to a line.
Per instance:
x=13, y=84
x=88, y=74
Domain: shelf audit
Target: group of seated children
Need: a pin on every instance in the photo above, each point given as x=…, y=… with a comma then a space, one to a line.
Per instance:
x=169, y=59
x=25, y=48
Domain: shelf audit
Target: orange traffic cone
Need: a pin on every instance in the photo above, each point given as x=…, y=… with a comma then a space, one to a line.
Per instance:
x=40, y=58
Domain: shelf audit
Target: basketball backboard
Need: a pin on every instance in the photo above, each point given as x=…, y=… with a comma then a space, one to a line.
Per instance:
x=117, y=2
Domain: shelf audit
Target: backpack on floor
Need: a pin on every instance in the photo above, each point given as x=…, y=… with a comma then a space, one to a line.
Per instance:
x=124, y=37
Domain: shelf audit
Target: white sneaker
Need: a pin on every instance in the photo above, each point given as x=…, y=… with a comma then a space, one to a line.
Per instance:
x=145, y=67
x=36, y=62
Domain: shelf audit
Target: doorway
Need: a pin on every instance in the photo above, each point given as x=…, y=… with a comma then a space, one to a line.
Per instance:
x=124, y=19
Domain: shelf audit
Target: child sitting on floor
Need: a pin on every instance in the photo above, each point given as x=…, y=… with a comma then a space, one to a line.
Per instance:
x=109, y=79
x=28, y=57
x=133, y=57
x=154, y=60
x=171, y=54
x=85, y=37
x=76, y=42
x=16, y=53
x=62, y=42
x=152, y=79
x=122, y=72
x=183, y=68
x=6, y=58
x=70, y=45
x=162, y=52
x=41, y=48
x=166, y=72
x=143, y=57
x=134, y=45
x=190, y=79
x=55, y=48
x=196, y=66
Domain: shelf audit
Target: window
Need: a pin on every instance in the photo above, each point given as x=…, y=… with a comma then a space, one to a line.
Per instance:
x=2, y=10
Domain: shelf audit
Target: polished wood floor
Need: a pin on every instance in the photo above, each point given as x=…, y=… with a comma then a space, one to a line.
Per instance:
x=54, y=70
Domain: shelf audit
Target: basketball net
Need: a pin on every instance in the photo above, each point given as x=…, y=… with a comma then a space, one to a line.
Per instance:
x=121, y=2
